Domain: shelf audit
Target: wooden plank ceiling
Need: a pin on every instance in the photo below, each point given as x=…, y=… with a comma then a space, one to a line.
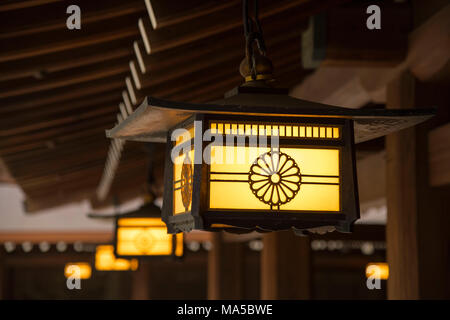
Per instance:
x=60, y=89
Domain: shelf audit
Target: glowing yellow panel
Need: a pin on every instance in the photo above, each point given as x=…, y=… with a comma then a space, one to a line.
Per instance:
x=335, y=132
x=105, y=260
x=282, y=131
x=302, y=131
x=377, y=270
x=288, y=131
x=309, y=132
x=309, y=179
x=295, y=131
x=179, y=249
x=78, y=270
x=183, y=183
x=248, y=129
x=322, y=132
x=329, y=132
x=140, y=241
x=261, y=130
x=275, y=131
x=315, y=132
x=234, y=128
x=213, y=128
x=227, y=128
x=254, y=129
x=220, y=128
x=140, y=222
x=241, y=129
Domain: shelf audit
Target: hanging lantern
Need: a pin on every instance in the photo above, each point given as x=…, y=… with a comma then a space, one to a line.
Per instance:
x=259, y=159
x=142, y=234
x=105, y=260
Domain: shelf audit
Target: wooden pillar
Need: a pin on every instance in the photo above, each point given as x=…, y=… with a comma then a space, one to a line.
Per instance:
x=225, y=269
x=401, y=188
x=141, y=282
x=285, y=266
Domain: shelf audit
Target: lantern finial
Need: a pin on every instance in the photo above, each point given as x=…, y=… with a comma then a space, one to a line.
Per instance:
x=256, y=67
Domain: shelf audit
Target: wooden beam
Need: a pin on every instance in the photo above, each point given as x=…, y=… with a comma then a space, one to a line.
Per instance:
x=60, y=61
x=60, y=95
x=91, y=13
x=354, y=87
x=54, y=237
x=5, y=176
x=285, y=266
x=63, y=45
x=21, y=4
x=439, y=155
x=429, y=46
x=163, y=13
x=203, y=27
x=225, y=269
x=350, y=43
x=141, y=281
x=85, y=74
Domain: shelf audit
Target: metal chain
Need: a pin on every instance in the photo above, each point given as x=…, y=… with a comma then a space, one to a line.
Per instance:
x=252, y=36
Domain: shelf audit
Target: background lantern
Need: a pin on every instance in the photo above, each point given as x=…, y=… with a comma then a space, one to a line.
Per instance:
x=142, y=234
x=78, y=270
x=105, y=260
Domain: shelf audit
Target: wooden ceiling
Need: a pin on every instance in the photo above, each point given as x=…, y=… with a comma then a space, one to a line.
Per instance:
x=60, y=89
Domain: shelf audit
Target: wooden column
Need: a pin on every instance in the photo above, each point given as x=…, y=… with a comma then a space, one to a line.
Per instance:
x=225, y=269
x=401, y=188
x=285, y=266
x=417, y=234
x=141, y=282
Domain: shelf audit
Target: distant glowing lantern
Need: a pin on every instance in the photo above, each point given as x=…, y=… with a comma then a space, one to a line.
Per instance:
x=142, y=234
x=105, y=260
x=378, y=270
x=78, y=270
x=259, y=159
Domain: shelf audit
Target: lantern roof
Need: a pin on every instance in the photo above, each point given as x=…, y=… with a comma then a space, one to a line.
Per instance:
x=151, y=121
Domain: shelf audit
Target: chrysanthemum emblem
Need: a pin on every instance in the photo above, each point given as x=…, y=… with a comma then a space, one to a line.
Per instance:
x=186, y=183
x=274, y=178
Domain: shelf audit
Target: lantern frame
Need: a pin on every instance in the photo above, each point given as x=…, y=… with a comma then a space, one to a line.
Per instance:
x=204, y=218
x=155, y=119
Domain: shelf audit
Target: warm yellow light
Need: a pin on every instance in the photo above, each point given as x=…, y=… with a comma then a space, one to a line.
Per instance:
x=302, y=131
x=183, y=171
x=313, y=184
x=78, y=270
x=105, y=260
x=148, y=237
x=379, y=270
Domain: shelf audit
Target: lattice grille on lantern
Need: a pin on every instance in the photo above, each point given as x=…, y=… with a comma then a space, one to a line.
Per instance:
x=281, y=130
